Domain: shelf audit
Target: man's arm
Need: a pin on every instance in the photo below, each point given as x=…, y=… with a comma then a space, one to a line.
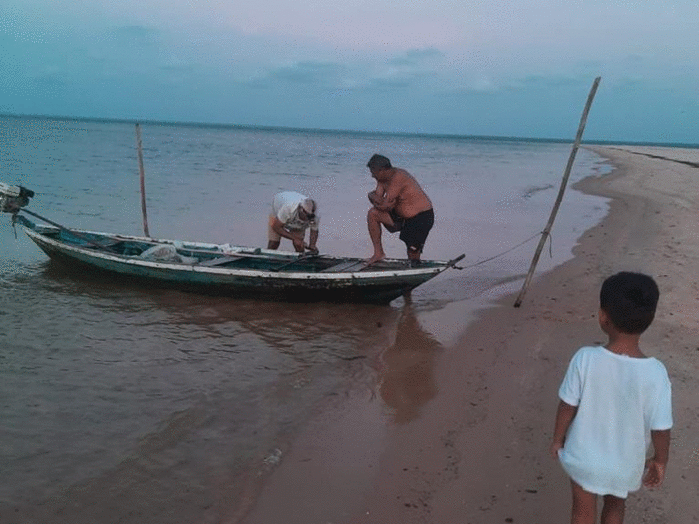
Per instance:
x=564, y=416
x=278, y=227
x=656, y=466
x=381, y=199
x=313, y=240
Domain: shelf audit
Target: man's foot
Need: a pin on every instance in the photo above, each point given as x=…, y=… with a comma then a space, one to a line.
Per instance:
x=375, y=258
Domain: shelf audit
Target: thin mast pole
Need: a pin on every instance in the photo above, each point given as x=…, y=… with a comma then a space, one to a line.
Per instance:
x=142, y=172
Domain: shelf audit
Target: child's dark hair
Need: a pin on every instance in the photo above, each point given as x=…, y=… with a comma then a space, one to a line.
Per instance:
x=630, y=299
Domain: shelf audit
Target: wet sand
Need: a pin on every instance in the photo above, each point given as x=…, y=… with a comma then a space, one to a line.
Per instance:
x=477, y=452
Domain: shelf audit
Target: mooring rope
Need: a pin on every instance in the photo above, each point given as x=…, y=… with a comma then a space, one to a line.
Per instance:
x=511, y=249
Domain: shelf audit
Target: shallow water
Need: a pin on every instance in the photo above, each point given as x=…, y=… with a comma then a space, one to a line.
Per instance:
x=94, y=373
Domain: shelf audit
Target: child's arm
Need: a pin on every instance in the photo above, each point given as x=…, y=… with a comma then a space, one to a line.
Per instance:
x=656, y=465
x=564, y=416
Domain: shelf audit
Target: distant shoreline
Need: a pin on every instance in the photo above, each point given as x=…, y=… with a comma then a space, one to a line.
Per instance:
x=349, y=132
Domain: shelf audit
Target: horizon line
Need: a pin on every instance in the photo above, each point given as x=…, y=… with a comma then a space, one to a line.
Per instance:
x=501, y=138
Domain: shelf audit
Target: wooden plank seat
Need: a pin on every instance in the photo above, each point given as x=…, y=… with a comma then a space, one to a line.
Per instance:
x=99, y=243
x=350, y=265
x=218, y=261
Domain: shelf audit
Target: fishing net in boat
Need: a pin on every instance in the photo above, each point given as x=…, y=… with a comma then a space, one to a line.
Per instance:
x=13, y=198
x=166, y=253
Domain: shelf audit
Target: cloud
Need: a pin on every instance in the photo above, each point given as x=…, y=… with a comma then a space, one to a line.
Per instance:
x=399, y=71
x=417, y=57
x=545, y=82
x=131, y=36
x=409, y=69
x=308, y=72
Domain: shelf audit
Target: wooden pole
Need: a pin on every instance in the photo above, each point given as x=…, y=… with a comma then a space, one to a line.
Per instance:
x=142, y=172
x=547, y=230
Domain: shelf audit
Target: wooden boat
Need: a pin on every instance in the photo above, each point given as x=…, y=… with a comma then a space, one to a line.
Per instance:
x=234, y=271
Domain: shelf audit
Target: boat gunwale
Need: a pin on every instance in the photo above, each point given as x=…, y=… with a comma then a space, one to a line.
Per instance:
x=372, y=276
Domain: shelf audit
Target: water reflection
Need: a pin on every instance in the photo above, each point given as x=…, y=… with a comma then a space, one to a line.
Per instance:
x=408, y=380
x=106, y=370
x=89, y=368
x=274, y=321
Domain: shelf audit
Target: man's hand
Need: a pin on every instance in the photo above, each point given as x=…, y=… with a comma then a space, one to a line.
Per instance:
x=296, y=238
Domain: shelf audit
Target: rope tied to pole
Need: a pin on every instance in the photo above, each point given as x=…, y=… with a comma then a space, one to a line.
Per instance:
x=511, y=249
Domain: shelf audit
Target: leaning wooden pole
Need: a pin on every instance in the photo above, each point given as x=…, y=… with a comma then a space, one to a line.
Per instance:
x=547, y=230
x=139, y=145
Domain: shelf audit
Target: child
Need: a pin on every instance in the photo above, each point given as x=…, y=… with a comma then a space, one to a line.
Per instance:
x=614, y=401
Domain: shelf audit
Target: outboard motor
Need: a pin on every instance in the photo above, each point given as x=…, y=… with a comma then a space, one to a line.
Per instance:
x=14, y=198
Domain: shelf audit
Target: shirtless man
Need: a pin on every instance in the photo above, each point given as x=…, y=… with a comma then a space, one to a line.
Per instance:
x=400, y=204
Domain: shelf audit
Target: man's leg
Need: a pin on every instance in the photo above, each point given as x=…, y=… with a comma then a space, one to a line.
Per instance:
x=613, y=510
x=414, y=255
x=273, y=237
x=584, y=506
x=414, y=234
x=375, y=219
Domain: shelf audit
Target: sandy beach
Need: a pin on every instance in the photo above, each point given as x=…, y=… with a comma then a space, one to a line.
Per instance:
x=471, y=419
x=478, y=451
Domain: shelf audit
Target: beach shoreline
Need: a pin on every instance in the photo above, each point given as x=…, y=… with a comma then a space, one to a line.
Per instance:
x=478, y=452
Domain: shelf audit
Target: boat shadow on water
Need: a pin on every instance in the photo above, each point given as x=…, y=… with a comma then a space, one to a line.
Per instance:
x=184, y=305
x=396, y=354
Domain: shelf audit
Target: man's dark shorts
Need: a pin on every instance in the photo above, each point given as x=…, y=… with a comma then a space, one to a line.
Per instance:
x=413, y=230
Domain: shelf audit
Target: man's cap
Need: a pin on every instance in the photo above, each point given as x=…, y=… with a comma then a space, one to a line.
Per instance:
x=309, y=206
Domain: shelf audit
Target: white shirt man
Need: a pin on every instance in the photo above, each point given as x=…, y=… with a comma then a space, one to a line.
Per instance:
x=293, y=213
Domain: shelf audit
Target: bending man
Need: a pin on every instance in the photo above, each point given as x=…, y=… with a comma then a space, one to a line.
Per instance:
x=400, y=204
x=292, y=214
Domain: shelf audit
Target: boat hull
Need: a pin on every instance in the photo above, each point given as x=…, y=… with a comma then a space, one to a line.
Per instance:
x=295, y=286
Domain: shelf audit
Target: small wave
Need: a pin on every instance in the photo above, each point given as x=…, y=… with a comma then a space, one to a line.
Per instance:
x=532, y=190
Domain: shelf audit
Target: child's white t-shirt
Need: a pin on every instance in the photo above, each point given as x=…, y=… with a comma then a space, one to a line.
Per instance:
x=620, y=399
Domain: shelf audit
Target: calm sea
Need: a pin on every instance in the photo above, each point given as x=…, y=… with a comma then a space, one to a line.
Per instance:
x=94, y=374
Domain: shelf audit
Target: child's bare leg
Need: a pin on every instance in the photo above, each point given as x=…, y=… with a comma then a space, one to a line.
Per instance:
x=584, y=506
x=613, y=510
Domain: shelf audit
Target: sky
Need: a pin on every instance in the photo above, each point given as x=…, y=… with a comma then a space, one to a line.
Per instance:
x=510, y=68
